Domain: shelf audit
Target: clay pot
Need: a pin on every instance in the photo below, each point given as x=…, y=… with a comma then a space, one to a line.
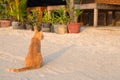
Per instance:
x=74, y=27
x=4, y=23
x=60, y=29
x=18, y=25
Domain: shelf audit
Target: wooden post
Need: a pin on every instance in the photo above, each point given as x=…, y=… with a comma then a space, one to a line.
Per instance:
x=113, y=18
x=106, y=18
x=95, y=17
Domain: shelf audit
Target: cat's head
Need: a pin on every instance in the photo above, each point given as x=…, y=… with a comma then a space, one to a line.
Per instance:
x=38, y=34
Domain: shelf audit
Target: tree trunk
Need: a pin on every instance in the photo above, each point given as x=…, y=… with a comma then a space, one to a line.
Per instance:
x=71, y=6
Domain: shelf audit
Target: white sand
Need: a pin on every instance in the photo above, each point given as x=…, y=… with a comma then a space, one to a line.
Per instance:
x=93, y=54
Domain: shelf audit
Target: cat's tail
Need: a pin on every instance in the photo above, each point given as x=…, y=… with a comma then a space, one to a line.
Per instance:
x=20, y=69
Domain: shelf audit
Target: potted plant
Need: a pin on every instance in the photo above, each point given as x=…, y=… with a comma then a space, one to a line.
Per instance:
x=33, y=19
x=74, y=26
x=17, y=12
x=4, y=14
x=60, y=20
x=46, y=22
x=29, y=22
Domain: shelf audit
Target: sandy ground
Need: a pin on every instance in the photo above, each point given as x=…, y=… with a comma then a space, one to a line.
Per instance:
x=93, y=54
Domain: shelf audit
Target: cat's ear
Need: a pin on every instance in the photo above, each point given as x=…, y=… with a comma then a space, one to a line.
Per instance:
x=35, y=30
x=41, y=34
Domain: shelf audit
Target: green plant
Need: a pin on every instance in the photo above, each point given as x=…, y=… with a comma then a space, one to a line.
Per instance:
x=77, y=12
x=53, y=19
x=46, y=17
x=17, y=9
x=59, y=16
x=4, y=9
x=33, y=19
x=74, y=13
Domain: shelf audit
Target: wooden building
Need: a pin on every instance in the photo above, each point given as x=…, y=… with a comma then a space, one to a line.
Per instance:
x=95, y=12
x=99, y=12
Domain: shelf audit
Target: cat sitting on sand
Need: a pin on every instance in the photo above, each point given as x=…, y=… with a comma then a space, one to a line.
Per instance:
x=34, y=58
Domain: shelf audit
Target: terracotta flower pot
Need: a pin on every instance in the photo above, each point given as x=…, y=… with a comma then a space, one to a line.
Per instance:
x=74, y=27
x=4, y=23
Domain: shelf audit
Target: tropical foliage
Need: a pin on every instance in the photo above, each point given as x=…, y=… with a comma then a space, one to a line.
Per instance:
x=4, y=9
x=46, y=17
x=17, y=9
x=33, y=18
x=59, y=16
x=74, y=13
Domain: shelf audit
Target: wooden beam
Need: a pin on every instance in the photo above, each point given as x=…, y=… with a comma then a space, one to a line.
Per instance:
x=113, y=2
x=50, y=8
x=86, y=6
x=54, y=7
x=108, y=6
x=99, y=6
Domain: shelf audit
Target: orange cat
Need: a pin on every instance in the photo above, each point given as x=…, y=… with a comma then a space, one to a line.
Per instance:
x=33, y=59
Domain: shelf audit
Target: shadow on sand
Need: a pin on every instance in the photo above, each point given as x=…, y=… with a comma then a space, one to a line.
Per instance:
x=53, y=56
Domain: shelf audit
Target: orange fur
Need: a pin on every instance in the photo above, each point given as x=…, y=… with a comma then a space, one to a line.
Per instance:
x=34, y=58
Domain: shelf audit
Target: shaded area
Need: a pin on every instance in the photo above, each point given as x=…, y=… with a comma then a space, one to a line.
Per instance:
x=37, y=3
x=56, y=55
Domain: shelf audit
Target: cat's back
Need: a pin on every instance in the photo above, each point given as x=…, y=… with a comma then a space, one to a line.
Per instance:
x=34, y=47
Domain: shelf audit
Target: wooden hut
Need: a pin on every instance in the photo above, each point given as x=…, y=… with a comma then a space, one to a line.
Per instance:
x=99, y=12
x=41, y=5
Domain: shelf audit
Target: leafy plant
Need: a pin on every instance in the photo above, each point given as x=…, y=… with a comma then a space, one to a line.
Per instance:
x=4, y=9
x=46, y=17
x=77, y=12
x=33, y=18
x=74, y=13
x=59, y=16
x=53, y=18
x=17, y=9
